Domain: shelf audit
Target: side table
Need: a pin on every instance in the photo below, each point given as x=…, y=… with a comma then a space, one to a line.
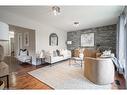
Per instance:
x=37, y=61
x=41, y=60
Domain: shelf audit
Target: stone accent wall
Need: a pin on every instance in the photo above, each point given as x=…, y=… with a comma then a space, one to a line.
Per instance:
x=105, y=36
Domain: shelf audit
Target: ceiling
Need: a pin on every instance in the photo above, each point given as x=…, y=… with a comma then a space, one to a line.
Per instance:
x=87, y=16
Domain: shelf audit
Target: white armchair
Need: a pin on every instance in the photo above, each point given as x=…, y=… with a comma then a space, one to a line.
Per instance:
x=24, y=56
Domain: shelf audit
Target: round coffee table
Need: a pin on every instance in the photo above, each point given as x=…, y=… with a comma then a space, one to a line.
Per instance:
x=1, y=85
x=76, y=59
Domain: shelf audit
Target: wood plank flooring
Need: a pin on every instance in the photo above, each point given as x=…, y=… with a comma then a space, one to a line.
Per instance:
x=20, y=79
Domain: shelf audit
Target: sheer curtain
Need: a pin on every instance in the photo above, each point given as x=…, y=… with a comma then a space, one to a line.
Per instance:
x=126, y=53
x=121, y=49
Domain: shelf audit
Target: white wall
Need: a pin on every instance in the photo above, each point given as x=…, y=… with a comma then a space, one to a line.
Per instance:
x=42, y=36
x=42, y=31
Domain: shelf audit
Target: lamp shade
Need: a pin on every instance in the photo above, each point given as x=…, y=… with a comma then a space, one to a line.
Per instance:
x=69, y=42
x=42, y=54
x=4, y=31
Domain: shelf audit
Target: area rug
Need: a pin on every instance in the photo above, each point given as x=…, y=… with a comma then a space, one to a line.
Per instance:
x=64, y=76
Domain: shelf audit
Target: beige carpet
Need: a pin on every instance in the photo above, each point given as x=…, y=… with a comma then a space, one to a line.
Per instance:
x=64, y=76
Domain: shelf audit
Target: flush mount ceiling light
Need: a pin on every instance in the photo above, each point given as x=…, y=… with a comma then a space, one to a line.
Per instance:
x=76, y=23
x=56, y=10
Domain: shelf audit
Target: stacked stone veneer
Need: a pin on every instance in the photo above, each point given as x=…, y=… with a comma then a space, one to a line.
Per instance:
x=105, y=36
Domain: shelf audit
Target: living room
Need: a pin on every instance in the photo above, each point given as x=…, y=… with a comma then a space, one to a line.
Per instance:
x=60, y=49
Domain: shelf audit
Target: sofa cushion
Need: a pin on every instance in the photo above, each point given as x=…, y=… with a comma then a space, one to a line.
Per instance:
x=58, y=52
x=56, y=59
x=61, y=51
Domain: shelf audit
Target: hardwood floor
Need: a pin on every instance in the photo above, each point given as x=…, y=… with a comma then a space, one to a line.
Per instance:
x=121, y=83
x=20, y=79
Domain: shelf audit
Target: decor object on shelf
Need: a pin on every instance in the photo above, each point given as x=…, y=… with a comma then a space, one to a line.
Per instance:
x=4, y=69
x=99, y=70
x=24, y=56
x=53, y=39
x=56, y=10
x=26, y=39
x=87, y=40
x=4, y=31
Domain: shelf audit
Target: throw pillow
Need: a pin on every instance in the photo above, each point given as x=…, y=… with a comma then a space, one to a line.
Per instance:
x=23, y=52
x=58, y=52
x=54, y=54
x=61, y=52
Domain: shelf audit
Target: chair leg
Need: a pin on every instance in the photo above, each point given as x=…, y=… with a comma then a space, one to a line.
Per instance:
x=81, y=63
x=7, y=81
x=50, y=64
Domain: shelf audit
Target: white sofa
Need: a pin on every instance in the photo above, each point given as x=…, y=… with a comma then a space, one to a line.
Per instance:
x=51, y=57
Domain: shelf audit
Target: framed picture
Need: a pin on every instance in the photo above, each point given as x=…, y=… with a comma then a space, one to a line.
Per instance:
x=87, y=40
x=19, y=41
x=53, y=40
x=26, y=39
